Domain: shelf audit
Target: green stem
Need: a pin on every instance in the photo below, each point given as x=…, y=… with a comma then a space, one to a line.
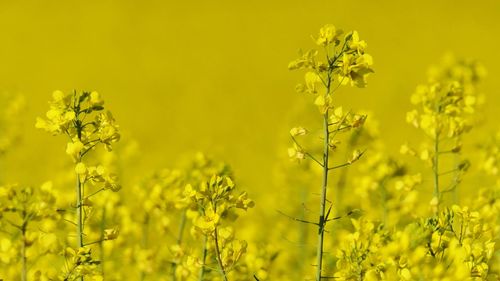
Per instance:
x=79, y=215
x=435, y=165
x=182, y=225
x=24, y=272
x=79, y=187
x=101, y=243
x=322, y=206
x=204, y=257
x=144, y=241
x=218, y=255
x=457, y=174
x=341, y=184
x=304, y=253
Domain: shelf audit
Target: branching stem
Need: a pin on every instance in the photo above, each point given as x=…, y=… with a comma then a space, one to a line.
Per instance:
x=79, y=215
x=24, y=272
x=218, y=254
x=435, y=166
x=322, y=207
x=203, y=259
x=180, y=234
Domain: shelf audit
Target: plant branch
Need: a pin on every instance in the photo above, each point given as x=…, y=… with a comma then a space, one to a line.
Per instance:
x=204, y=258
x=218, y=255
x=306, y=153
x=296, y=219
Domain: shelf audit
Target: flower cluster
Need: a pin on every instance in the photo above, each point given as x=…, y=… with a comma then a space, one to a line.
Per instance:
x=446, y=102
x=445, y=107
x=81, y=117
x=345, y=62
x=454, y=244
x=23, y=212
x=81, y=263
x=69, y=114
x=339, y=121
x=212, y=206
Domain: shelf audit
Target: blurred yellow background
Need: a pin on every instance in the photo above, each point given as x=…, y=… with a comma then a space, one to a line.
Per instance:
x=187, y=76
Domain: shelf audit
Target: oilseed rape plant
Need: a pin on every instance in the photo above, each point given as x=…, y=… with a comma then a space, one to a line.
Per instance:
x=344, y=62
x=343, y=202
x=79, y=116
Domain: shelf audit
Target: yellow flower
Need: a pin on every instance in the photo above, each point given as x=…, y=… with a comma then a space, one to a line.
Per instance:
x=355, y=69
x=324, y=103
x=313, y=82
x=95, y=98
x=305, y=61
x=74, y=148
x=207, y=223
x=356, y=44
x=356, y=154
x=111, y=234
x=298, y=131
x=328, y=34
x=60, y=98
x=80, y=168
x=296, y=153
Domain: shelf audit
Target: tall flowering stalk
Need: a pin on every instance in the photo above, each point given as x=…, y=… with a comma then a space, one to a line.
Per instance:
x=344, y=62
x=444, y=112
x=81, y=117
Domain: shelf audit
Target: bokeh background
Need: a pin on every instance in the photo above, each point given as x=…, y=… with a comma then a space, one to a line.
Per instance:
x=187, y=76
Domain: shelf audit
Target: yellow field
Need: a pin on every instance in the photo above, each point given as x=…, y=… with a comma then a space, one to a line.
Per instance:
x=214, y=165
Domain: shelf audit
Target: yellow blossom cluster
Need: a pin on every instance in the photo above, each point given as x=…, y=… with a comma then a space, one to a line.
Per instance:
x=344, y=62
x=211, y=204
x=81, y=117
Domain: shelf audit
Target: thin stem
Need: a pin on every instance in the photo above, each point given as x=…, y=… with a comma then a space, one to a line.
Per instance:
x=341, y=183
x=92, y=194
x=340, y=166
x=182, y=225
x=306, y=153
x=435, y=165
x=297, y=219
x=180, y=235
x=79, y=183
x=88, y=149
x=456, y=180
x=204, y=257
x=24, y=272
x=322, y=222
x=304, y=252
x=218, y=255
x=79, y=215
x=449, y=172
x=144, y=241
x=101, y=243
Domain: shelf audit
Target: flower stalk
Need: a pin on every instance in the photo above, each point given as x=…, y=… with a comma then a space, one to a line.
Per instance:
x=344, y=62
x=324, y=187
x=24, y=270
x=218, y=255
x=203, y=259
